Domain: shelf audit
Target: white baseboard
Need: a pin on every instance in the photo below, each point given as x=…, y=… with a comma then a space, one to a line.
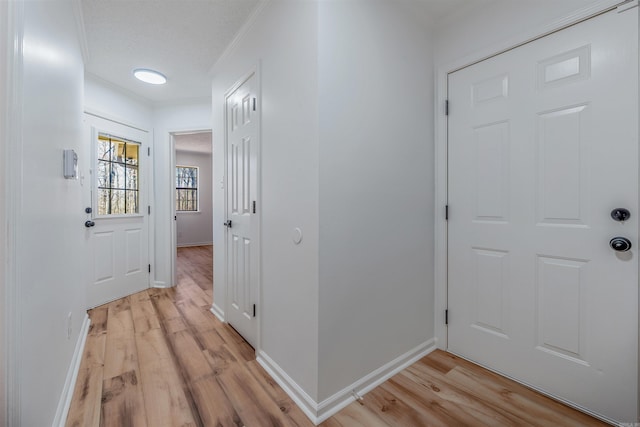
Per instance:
x=218, y=312
x=319, y=412
x=160, y=285
x=193, y=245
x=72, y=375
x=295, y=392
x=335, y=403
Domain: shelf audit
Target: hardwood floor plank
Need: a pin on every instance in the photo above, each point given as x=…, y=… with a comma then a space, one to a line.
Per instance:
x=471, y=404
x=120, y=347
x=214, y=407
x=144, y=313
x=531, y=406
x=160, y=358
x=122, y=402
x=98, y=320
x=165, y=401
x=197, y=317
x=191, y=360
x=243, y=350
x=120, y=356
x=357, y=415
x=119, y=317
x=430, y=406
x=87, y=396
x=163, y=303
x=282, y=399
x=251, y=402
x=392, y=409
x=190, y=290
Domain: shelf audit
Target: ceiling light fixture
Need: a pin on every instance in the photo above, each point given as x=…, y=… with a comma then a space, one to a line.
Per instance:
x=149, y=76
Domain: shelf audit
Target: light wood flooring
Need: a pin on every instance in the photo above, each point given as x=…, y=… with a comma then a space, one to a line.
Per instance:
x=160, y=358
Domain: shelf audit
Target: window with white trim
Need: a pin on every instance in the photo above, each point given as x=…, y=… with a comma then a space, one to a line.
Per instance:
x=186, y=188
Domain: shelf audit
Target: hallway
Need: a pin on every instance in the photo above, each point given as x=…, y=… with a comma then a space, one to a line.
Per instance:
x=160, y=358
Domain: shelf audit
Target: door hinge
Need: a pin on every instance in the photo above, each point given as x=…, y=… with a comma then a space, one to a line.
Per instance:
x=254, y=310
x=149, y=209
x=446, y=212
x=149, y=268
x=148, y=151
x=254, y=104
x=446, y=107
x=254, y=206
x=446, y=317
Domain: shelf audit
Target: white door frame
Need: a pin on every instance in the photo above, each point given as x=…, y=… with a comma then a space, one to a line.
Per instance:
x=441, y=160
x=11, y=13
x=258, y=216
x=173, y=270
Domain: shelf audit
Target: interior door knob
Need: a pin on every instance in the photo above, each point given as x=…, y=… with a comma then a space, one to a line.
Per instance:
x=227, y=224
x=620, y=214
x=620, y=244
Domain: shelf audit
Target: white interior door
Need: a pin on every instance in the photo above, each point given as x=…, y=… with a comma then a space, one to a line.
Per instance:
x=243, y=257
x=118, y=225
x=543, y=145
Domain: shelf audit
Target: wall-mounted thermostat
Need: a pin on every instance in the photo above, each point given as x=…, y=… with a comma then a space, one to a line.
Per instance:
x=70, y=164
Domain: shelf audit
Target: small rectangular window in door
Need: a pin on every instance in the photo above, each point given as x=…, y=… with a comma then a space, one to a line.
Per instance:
x=118, y=176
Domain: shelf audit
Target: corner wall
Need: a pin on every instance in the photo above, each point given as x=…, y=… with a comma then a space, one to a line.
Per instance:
x=180, y=117
x=282, y=41
x=376, y=189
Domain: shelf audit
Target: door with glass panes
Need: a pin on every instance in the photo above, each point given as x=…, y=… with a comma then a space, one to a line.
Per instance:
x=117, y=226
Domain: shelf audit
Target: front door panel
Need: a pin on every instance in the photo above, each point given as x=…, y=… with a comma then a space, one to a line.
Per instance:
x=543, y=145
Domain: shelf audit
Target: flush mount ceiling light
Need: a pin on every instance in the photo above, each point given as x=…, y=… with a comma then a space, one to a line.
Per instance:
x=149, y=76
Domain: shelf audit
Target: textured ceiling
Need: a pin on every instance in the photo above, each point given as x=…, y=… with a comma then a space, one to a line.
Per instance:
x=432, y=13
x=194, y=142
x=180, y=38
x=184, y=38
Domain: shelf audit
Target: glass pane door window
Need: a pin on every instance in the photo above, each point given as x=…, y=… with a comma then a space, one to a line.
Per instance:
x=118, y=176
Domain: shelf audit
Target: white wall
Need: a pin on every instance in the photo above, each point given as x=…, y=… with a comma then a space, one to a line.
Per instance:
x=283, y=40
x=376, y=188
x=502, y=24
x=4, y=108
x=167, y=119
x=196, y=228
x=114, y=103
x=50, y=235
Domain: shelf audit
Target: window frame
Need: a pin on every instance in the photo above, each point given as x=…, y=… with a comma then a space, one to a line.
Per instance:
x=95, y=184
x=197, y=188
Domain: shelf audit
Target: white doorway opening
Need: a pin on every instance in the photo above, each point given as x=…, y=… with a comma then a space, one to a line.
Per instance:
x=191, y=191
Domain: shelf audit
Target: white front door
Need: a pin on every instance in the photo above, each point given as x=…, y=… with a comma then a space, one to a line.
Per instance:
x=118, y=224
x=243, y=257
x=543, y=146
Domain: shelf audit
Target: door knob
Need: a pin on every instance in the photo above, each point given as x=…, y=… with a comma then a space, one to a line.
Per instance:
x=620, y=214
x=89, y=224
x=620, y=244
x=227, y=224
